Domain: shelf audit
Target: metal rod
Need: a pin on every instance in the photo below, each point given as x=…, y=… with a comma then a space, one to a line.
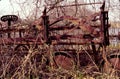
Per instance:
x=77, y=4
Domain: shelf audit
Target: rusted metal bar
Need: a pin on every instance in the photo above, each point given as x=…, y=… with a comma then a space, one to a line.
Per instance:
x=54, y=22
x=62, y=28
x=118, y=35
x=77, y=4
x=20, y=41
x=66, y=50
x=95, y=53
x=105, y=26
x=80, y=36
x=45, y=18
x=65, y=27
x=12, y=30
x=75, y=43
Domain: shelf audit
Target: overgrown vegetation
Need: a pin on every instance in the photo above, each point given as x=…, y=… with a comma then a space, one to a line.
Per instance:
x=34, y=64
x=29, y=61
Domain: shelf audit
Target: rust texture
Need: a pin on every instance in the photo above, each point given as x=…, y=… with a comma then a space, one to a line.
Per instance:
x=88, y=34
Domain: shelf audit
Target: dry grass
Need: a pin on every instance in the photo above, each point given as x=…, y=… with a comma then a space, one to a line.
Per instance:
x=39, y=64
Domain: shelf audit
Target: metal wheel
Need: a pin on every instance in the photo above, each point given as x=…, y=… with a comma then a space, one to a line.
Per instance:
x=64, y=60
x=21, y=50
x=114, y=59
x=114, y=64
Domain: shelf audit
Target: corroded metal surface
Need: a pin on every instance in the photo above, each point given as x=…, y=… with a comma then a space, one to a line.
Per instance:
x=91, y=31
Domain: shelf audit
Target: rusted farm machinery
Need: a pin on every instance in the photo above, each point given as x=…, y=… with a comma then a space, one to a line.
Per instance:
x=79, y=42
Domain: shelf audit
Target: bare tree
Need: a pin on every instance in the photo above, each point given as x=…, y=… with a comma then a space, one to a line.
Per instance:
x=32, y=9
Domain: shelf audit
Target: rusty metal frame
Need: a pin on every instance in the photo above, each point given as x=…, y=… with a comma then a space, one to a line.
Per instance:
x=49, y=39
